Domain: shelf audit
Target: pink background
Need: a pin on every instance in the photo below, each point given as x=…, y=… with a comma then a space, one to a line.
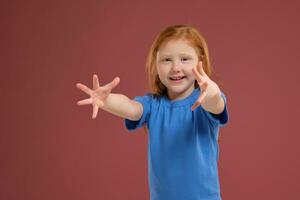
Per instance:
x=51, y=149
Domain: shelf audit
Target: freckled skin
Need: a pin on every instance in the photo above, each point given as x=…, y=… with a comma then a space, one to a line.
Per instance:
x=177, y=58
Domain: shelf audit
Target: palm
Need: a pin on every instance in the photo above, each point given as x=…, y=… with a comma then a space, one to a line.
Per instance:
x=98, y=94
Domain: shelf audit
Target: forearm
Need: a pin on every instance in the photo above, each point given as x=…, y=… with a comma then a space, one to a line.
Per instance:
x=213, y=101
x=120, y=105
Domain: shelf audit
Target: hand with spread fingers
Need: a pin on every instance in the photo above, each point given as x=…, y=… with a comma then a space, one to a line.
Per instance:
x=207, y=86
x=98, y=94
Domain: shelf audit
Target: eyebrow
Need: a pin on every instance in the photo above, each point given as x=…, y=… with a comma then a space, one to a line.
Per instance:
x=181, y=54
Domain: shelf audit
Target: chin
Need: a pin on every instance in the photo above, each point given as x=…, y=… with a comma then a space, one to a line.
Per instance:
x=178, y=89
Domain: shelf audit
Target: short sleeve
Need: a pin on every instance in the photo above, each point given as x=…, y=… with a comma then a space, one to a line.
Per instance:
x=146, y=102
x=222, y=118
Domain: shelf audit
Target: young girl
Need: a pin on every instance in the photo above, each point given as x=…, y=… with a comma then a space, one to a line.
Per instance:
x=182, y=115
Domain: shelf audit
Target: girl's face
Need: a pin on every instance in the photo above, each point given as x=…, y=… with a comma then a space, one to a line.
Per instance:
x=175, y=61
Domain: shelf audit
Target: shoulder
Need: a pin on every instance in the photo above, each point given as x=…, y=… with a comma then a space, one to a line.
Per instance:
x=148, y=98
x=145, y=98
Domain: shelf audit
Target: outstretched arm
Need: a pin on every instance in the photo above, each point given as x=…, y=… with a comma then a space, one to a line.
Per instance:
x=117, y=104
x=122, y=106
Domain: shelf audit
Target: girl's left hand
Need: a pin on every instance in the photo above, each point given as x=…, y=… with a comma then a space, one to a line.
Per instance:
x=204, y=83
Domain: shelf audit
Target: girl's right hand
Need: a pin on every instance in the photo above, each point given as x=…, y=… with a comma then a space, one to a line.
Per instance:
x=98, y=95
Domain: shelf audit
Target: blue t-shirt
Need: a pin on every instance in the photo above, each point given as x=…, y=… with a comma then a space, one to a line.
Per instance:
x=183, y=149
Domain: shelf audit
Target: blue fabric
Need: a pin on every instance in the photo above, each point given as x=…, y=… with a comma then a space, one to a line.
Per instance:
x=183, y=149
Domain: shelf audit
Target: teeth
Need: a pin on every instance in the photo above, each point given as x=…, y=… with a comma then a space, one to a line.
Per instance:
x=176, y=78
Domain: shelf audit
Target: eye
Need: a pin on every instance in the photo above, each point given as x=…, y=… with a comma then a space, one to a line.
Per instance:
x=185, y=59
x=166, y=59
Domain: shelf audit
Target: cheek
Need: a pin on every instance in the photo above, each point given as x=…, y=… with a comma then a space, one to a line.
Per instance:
x=188, y=70
x=158, y=69
x=162, y=70
x=190, y=67
x=191, y=76
x=159, y=74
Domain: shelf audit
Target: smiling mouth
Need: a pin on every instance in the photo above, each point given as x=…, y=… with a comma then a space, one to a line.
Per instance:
x=177, y=78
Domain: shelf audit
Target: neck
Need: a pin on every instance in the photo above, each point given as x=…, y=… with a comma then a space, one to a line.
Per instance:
x=182, y=95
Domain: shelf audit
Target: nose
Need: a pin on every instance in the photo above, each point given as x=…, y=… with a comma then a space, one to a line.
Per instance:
x=175, y=66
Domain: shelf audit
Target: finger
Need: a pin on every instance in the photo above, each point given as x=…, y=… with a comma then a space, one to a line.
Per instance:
x=200, y=68
x=85, y=102
x=95, y=111
x=204, y=86
x=203, y=92
x=113, y=84
x=199, y=101
x=95, y=82
x=202, y=96
x=84, y=88
x=197, y=75
x=196, y=104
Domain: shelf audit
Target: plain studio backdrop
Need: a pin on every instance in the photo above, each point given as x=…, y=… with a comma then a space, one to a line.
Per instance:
x=51, y=149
